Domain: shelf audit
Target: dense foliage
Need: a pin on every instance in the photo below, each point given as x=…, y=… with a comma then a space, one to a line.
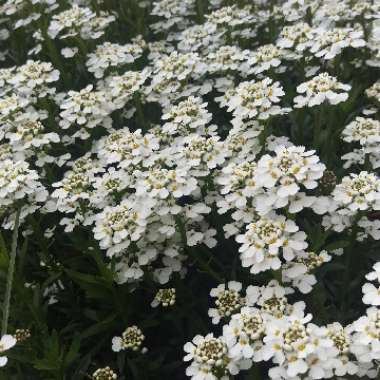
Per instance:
x=189, y=189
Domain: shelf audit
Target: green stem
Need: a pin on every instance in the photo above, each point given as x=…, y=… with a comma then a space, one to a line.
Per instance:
x=317, y=128
x=276, y=274
x=348, y=261
x=140, y=114
x=11, y=269
x=200, y=11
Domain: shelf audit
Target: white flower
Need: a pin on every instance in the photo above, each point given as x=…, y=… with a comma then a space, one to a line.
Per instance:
x=228, y=300
x=238, y=184
x=374, y=91
x=208, y=354
x=283, y=175
x=124, y=86
x=255, y=100
x=116, y=227
x=187, y=117
x=296, y=36
x=199, y=37
x=366, y=131
x=18, y=183
x=73, y=192
x=108, y=187
x=69, y=52
x=6, y=342
x=371, y=293
x=244, y=332
x=266, y=240
x=341, y=336
x=86, y=109
x=319, y=89
x=170, y=71
x=131, y=339
x=11, y=105
x=104, y=373
x=227, y=58
x=111, y=55
x=34, y=78
x=264, y=58
x=69, y=19
x=271, y=298
x=366, y=329
x=163, y=183
x=369, y=228
x=173, y=11
x=126, y=148
x=329, y=43
x=358, y=192
x=30, y=134
x=80, y=21
x=164, y=297
x=231, y=15
x=201, y=154
x=289, y=343
x=300, y=271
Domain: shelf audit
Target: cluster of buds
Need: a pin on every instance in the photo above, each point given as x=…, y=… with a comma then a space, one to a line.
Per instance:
x=131, y=339
x=105, y=373
x=164, y=297
x=22, y=334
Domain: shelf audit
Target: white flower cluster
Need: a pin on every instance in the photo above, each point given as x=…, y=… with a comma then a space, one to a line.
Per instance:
x=171, y=74
x=365, y=132
x=132, y=195
x=267, y=239
x=164, y=297
x=300, y=272
x=79, y=21
x=34, y=78
x=131, y=339
x=356, y=194
x=194, y=138
x=111, y=55
x=320, y=89
x=86, y=108
x=328, y=43
x=264, y=326
x=105, y=373
x=254, y=99
x=371, y=293
x=20, y=188
x=283, y=175
x=6, y=342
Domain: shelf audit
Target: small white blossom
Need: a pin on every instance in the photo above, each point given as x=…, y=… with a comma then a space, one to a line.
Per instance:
x=227, y=300
x=266, y=240
x=255, y=100
x=371, y=293
x=320, y=89
x=111, y=55
x=6, y=342
x=131, y=339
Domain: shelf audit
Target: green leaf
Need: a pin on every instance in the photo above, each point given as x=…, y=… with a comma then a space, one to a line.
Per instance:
x=98, y=328
x=336, y=245
x=73, y=351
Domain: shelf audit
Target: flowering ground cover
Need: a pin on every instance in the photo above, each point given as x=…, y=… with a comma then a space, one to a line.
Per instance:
x=189, y=189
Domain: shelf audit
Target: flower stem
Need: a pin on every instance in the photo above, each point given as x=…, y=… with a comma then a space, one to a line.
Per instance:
x=200, y=11
x=11, y=269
